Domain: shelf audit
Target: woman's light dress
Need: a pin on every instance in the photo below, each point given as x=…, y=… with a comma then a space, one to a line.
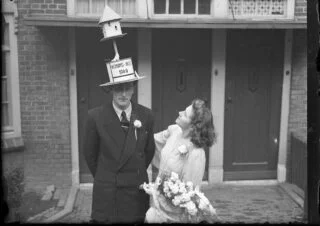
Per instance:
x=168, y=158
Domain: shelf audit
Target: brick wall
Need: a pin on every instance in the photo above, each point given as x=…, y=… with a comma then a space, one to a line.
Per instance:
x=298, y=95
x=300, y=10
x=44, y=99
x=34, y=7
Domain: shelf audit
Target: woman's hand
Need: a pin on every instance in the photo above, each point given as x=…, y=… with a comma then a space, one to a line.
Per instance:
x=148, y=188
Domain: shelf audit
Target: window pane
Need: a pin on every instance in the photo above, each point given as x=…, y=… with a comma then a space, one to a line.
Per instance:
x=204, y=6
x=189, y=7
x=115, y=5
x=82, y=6
x=174, y=6
x=4, y=97
x=129, y=7
x=5, y=41
x=159, y=6
x=4, y=64
x=5, y=115
x=98, y=6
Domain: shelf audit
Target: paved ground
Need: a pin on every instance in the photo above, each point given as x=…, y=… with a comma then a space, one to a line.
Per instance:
x=234, y=203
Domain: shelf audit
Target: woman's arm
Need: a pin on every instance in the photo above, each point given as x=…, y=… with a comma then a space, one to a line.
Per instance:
x=160, y=140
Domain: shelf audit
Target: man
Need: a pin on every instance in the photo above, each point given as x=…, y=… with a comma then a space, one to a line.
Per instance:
x=118, y=147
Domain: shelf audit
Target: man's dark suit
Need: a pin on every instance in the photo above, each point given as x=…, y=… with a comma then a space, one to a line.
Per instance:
x=118, y=163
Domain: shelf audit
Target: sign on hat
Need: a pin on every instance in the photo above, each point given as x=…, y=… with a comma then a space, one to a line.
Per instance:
x=121, y=71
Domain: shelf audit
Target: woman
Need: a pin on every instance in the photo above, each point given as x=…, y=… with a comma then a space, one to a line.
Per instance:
x=180, y=149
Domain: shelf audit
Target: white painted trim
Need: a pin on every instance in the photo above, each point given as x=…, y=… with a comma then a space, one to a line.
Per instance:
x=252, y=182
x=217, y=103
x=84, y=186
x=71, y=7
x=13, y=75
x=68, y=206
x=281, y=173
x=144, y=69
x=142, y=9
x=220, y=8
x=215, y=173
x=290, y=9
x=73, y=108
x=285, y=105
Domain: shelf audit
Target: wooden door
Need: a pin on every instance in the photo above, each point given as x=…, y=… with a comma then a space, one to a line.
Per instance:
x=91, y=72
x=254, y=70
x=181, y=71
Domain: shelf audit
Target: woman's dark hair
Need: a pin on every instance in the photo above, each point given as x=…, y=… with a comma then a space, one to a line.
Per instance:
x=202, y=132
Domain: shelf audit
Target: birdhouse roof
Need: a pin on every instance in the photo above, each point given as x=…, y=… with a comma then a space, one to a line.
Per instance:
x=109, y=15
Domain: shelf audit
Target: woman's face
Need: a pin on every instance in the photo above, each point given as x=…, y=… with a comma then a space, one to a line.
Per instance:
x=184, y=119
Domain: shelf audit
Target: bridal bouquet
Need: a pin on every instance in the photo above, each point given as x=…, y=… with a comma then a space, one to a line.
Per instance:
x=195, y=206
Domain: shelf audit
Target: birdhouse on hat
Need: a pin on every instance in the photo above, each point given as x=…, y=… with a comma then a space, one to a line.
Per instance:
x=110, y=23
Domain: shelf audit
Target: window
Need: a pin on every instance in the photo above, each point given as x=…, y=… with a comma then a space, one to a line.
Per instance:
x=125, y=8
x=6, y=103
x=10, y=100
x=258, y=8
x=182, y=7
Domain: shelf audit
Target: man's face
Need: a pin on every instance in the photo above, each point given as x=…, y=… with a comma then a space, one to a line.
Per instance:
x=122, y=94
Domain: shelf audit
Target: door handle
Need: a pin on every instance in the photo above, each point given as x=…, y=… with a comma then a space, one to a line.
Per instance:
x=82, y=100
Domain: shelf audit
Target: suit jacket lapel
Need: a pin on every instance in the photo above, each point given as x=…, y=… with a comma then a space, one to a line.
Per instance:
x=112, y=125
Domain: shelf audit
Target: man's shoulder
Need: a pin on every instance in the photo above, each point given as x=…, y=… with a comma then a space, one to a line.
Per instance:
x=144, y=110
x=95, y=111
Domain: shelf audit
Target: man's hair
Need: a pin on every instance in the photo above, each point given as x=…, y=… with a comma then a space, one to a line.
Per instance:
x=202, y=128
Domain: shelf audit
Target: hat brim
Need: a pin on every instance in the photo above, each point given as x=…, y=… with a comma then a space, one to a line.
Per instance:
x=120, y=82
x=113, y=37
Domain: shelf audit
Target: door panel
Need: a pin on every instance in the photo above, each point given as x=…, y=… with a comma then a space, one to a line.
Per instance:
x=91, y=72
x=181, y=71
x=252, y=108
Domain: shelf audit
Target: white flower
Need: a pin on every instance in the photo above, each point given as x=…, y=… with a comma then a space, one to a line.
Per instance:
x=185, y=197
x=189, y=185
x=183, y=149
x=165, y=190
x=174, y=176
x=182, y=188
x=174, y=189
x=137, y=123
x=177, y=200
x=191, y=208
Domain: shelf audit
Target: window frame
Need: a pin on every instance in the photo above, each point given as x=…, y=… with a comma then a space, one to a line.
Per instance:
x=10, y=15
x=166, y=15
x=72, y=5
x=288, y=14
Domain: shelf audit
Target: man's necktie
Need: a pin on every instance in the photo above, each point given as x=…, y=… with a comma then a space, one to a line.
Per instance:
x=124, y=122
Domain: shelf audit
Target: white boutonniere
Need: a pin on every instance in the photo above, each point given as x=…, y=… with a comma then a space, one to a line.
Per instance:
x=183, y=149
x=137, y=123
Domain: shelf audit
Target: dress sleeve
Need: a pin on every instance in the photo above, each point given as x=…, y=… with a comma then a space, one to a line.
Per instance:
x=194, y=167
x=160, y=140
